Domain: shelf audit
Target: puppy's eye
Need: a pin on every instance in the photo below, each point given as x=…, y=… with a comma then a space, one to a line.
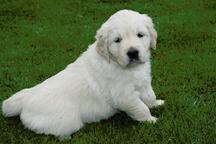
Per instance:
x=140, y=35
x=118, y=40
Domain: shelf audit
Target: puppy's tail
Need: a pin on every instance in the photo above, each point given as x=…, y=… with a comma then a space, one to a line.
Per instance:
x=13, y=105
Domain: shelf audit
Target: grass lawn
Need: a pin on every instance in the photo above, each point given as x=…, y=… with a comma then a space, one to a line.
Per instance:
x=39, y=38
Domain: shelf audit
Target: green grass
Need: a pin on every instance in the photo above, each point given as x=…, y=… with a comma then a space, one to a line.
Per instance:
x=39, y=38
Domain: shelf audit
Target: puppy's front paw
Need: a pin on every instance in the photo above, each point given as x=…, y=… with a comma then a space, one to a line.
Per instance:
x=159, y=102
x=152, y=119
x=156, y=103
x=64, y=138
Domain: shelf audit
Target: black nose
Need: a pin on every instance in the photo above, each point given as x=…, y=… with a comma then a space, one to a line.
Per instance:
x=133, y=54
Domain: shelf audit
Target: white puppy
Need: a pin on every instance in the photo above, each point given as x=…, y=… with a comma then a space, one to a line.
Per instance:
x=112, y=75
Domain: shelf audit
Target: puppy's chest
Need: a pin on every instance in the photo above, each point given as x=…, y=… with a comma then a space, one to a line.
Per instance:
x=141, y=79
x=139, y=84
x=131, y=81
x=138, y=78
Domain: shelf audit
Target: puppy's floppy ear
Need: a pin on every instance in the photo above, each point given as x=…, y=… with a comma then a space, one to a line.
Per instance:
x=102, y=44
x=152, y=31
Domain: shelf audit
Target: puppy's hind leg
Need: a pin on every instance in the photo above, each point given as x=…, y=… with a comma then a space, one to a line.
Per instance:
x=60, y=121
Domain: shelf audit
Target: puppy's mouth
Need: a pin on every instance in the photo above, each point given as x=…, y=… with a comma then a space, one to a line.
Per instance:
x=129, y=62
x=133, y=62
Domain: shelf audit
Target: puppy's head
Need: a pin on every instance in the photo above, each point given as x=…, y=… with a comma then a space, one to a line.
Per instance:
x=126, y=38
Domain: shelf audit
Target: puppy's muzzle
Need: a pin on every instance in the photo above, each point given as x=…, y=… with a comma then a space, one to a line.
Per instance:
x=133, y=54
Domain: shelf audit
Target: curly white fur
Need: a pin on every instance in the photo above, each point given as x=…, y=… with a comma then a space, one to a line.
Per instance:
x=101, y=82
